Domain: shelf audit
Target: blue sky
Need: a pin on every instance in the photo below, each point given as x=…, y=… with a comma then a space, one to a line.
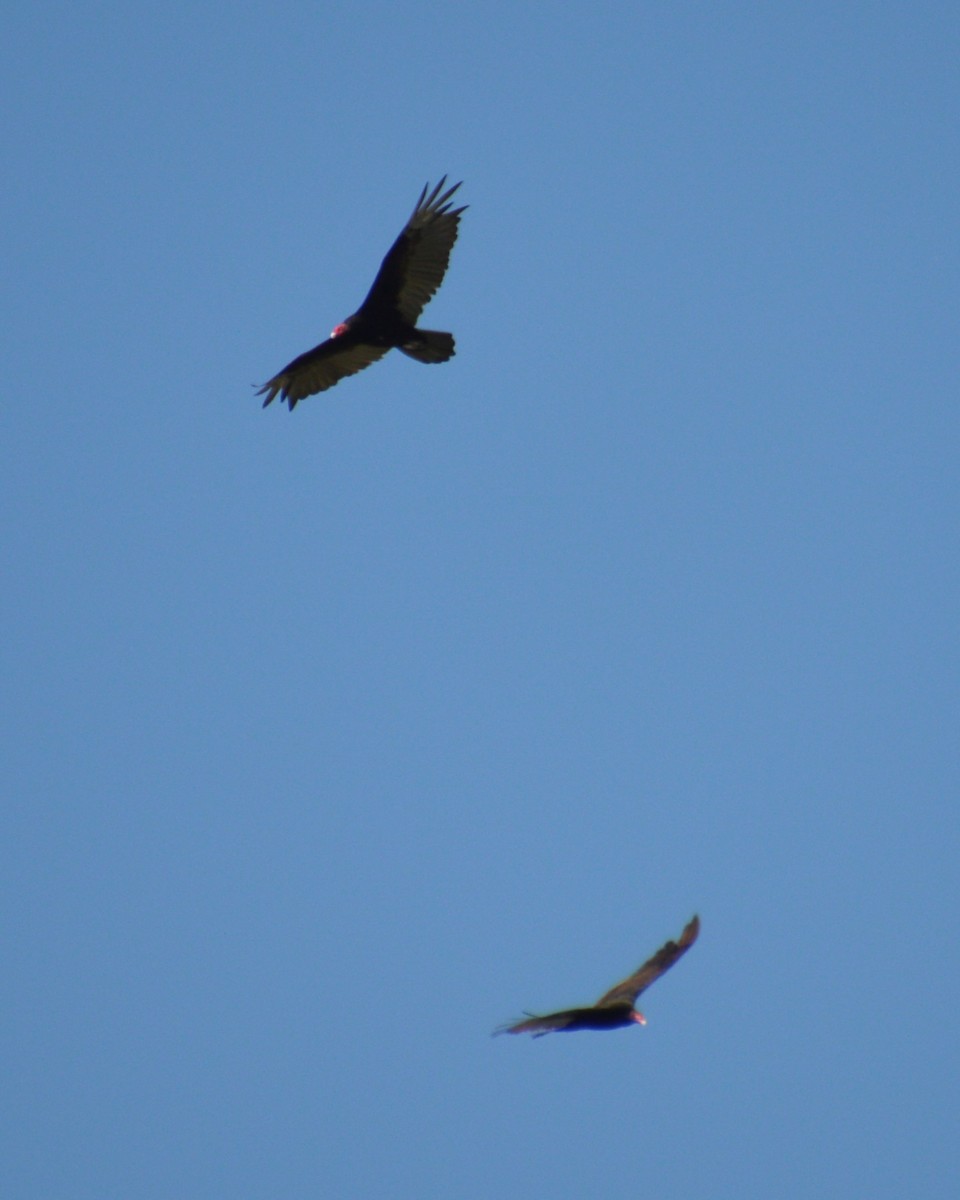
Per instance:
x=335, y=738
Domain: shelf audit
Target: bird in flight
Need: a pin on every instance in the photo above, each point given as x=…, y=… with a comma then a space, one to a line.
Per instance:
x=409, y=276
x=615, y=1008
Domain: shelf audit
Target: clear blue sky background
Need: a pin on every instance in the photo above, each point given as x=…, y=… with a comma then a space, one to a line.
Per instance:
x=335, y=738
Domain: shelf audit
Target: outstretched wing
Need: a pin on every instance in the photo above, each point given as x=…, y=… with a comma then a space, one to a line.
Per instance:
x=538, y=1026
x=320, y=368
x=417, y=261
x=630, y=988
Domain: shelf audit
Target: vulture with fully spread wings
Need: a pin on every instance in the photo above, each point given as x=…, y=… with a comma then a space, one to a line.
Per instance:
x=408, y=277
x=616, y=1008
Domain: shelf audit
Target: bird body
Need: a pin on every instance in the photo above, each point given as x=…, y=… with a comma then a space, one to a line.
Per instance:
x=617, y=1008
x=409, y=276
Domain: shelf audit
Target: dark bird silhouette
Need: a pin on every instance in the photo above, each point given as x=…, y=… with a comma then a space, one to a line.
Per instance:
x=409, y=276
x=615, y=1008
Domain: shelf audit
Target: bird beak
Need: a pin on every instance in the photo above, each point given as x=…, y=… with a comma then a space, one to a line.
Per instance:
x=639, y=1018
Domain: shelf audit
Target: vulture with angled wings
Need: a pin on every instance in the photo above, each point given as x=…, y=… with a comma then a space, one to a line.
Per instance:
x=615, y=1008
x=409, y=276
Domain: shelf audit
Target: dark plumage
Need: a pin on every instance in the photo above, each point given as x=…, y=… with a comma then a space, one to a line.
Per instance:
x=615, y=1008
x=409, y=276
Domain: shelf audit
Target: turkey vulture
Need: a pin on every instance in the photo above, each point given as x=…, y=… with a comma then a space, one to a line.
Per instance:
x=616, y=1008
x=408, y=277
